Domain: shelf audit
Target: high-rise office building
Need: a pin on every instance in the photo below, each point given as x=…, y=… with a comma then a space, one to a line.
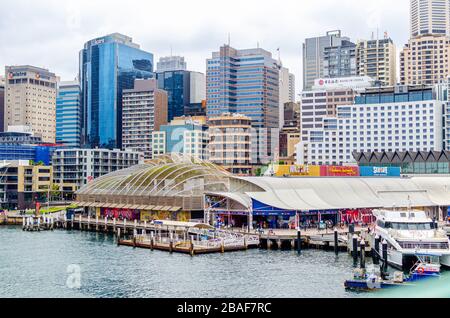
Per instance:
x=144, y=111
x=30, y=100
x=378, y=60
x=185, y=90
x=314, y=55
x=246, y=82
x=68, y=114
x=2, y=104
x=108, y=65
x=429, y=17
x=340, y=60
x=171, y=63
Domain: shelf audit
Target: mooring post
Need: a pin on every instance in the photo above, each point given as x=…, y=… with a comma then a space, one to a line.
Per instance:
x=376, y=250
x=299, y=242
x=351, y=228
x=363, y=253
x=336, y=241
x=118, y=236
x=152, y=240
x=171, y=243
x=134, y=238
x=124, y=225
x=191, y=247
x=106, y=224
x=24, y=223
x=385, y=256
x=355, y=249
x=222, y=245
x=114, y=225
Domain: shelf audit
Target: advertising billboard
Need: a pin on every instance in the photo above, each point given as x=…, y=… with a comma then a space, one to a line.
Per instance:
x=380, y=171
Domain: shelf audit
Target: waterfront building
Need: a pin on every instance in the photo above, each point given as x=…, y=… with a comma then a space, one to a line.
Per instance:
x=429, y=17
x=2, y=104
x=108, y=65
x=22, y=184
x=184, y=135
x=410, y=162
x=378, y=60
x=340, y=60
x=230, y=144
x=382, y=119
x=171, y=63
x=186, y=92
x=184, y=189
x=314, y=56
x=144, y=111
x=317, y=109
x=74, y=168
x=30, y=100
x=68, y=114
x=246, y=82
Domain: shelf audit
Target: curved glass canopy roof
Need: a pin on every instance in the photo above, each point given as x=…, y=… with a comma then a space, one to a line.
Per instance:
x=168, y=175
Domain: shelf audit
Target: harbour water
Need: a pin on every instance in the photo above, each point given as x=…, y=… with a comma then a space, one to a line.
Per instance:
x=43, y=264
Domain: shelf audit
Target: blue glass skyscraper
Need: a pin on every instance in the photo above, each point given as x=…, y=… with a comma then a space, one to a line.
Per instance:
x=108, y=65
x=177, y=85
x=68, y=114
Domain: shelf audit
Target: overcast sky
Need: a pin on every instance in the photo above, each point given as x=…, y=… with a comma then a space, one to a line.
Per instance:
x=50, y=33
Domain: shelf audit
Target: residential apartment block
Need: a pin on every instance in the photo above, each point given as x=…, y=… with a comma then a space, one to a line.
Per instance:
x=144, y=111
x=74, y=168
x=378, y=60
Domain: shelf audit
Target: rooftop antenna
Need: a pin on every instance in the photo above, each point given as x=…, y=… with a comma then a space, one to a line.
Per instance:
x=229, y=39
x=171, y=51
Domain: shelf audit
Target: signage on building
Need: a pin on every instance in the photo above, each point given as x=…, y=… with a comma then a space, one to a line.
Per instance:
x=380, y=171
x=11, y=75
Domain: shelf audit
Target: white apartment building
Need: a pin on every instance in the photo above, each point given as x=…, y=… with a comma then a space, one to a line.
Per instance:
x=74, y=168
x=30, y=100
x=389, y=119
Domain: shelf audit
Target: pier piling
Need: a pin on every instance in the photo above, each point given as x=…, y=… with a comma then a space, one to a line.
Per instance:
x=385, y=255
x=355, y=249
x=299, y=242
x=363, y=254
x=376, y=250
x=336, y=242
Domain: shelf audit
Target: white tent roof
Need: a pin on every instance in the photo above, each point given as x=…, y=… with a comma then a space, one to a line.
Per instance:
x=306, y=194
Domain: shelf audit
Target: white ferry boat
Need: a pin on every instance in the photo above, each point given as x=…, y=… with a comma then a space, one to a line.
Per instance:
x=409, y=234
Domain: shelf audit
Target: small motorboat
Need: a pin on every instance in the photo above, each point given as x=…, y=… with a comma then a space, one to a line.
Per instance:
x=427, y=266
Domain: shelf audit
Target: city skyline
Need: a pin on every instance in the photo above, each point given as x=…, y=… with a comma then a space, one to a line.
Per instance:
x=74, y=20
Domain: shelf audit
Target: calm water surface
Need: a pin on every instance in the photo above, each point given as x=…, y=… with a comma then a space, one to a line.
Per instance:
x=35, y=265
